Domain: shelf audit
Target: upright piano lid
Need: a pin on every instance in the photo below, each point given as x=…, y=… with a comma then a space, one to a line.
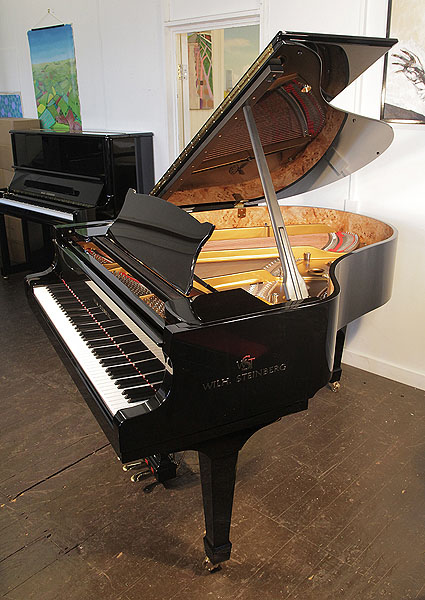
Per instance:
x=163, y=237
x=307, y=142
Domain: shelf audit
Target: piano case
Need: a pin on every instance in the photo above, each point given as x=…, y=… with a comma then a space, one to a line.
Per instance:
x=207, y=310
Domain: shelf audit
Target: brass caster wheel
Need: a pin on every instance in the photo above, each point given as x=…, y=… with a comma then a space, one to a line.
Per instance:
x=334, y=386
x=210, y=567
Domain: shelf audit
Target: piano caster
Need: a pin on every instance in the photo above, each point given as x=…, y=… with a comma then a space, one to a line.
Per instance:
x=210, y=566
x=334, y=386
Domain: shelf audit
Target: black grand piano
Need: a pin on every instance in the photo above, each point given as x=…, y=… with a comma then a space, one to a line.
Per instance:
x=207, y=310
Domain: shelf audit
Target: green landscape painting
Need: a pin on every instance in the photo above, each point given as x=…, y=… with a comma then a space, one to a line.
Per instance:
x=55, y=77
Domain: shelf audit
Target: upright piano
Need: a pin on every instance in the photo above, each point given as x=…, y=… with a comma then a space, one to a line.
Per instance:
x=73, y=177
x=207, y=309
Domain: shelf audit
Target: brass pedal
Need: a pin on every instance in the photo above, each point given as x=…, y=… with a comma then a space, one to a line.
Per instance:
x=136, y=477
x=136, y=465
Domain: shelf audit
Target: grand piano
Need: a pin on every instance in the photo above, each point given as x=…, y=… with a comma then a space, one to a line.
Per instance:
x=207, y=309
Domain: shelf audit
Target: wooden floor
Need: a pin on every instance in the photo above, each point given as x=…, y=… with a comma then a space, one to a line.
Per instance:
x=330, y=503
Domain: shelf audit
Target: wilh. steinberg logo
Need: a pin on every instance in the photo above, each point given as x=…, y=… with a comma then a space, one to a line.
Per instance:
x=245, y=364
x=246, y=371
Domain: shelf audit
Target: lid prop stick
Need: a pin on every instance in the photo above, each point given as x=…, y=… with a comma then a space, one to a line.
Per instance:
x=293, y=284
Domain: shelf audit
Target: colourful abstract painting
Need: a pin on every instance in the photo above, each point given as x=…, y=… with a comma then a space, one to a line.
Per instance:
x=10, y=105
x=201, y=91
x=55, y=77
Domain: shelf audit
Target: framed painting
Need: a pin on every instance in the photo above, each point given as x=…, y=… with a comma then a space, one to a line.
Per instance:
x=403, y=94
x=201, y=91
x=55, y=77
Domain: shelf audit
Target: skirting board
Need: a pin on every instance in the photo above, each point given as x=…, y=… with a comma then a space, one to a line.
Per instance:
x=390, y=371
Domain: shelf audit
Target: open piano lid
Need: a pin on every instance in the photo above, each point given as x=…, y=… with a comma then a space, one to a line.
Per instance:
x=307, y=142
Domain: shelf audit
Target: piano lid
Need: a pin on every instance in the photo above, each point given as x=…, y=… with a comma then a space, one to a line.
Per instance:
x=307, y=142
x=164, y=238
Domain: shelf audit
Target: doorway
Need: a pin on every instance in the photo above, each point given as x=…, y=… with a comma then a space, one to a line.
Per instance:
x=209, y=64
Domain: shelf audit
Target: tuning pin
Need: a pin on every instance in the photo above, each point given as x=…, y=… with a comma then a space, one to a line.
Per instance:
x=307, y=257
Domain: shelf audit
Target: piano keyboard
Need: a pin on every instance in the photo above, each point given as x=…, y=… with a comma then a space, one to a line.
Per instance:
x=59, y=214
x=123, y=364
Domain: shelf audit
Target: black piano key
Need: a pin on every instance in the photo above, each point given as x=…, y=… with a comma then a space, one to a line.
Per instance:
x=93, y=326
x=107, y=352
x=71, y=301
x=120, y=359
x=146, y=366
x=129, y=382
x=105, y=340
x=67, y=296
x=80, y=310
x=117, y=330
x=93, y=334
x=62, y=295
x=143, y=393
x=123, y=370
x=99, y=318
x=111, y=323
x=127, y=348
x=152, y=379
x=83, y=319
x=139, y=393
x=156, y=378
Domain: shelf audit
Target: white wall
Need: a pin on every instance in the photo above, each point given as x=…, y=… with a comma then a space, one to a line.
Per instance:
x=182, y=10
x=391, y=340
x=123, y=84
x=120, y=62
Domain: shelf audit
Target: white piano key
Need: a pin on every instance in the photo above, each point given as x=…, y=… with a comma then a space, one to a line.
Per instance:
x=66, y=216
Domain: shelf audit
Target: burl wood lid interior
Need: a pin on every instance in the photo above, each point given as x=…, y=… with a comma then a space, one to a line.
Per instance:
x=307, y=142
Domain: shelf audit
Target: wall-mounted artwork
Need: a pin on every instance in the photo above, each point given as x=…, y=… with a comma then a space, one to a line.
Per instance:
x=201, y=90
x=10, y=105
x=55, y=77
x=403, y=98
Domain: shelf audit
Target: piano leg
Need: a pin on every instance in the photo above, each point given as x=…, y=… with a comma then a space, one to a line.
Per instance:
x=4, y=249
x=337, y=371
x=217, y=462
